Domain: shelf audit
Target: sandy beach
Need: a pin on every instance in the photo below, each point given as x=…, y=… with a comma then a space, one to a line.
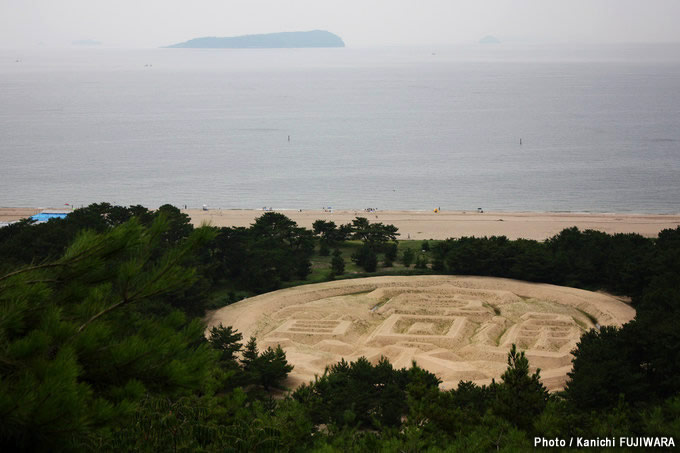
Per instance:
x=14, y=214
x=442, y=225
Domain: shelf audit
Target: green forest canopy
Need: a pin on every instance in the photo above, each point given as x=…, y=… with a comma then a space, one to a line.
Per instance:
x=101, y=346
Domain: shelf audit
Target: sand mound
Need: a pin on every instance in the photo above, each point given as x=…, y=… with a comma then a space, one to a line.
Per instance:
x=457, y=327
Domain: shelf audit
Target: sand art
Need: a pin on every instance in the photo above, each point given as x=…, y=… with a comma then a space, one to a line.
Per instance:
x=460, y=328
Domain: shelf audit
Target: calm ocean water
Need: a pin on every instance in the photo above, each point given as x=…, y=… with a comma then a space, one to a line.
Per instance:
x=385, y=128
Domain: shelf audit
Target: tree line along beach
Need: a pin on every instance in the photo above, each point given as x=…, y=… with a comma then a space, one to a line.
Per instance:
x=441, y=225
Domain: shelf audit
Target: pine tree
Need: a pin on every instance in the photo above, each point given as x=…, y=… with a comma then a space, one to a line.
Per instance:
x=273, y=367
x=227, y=341
x=407, y=257
x=250, y=355
x=324, y=250
x=521, y=397
x=76, y=355
x=337, y=263
x=366, y=258
x=391, y=251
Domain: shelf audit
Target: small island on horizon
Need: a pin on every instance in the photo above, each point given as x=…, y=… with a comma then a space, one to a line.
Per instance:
x=296, y=39
x=86, y=42
x=488, y=39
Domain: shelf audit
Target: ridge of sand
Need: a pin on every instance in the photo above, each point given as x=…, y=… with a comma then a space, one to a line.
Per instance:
x=460, y=328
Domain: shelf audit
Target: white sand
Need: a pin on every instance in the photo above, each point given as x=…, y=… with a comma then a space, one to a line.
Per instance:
x=428, y=225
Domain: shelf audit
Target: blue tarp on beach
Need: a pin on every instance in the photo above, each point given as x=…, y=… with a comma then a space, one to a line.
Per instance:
x=45, y=216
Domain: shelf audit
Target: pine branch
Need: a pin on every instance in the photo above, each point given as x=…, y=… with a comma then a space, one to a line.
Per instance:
x=102, y=313
x=75, y=259
x=48, y=280
x=30, y=282
x=137, y=295
x=29, y=269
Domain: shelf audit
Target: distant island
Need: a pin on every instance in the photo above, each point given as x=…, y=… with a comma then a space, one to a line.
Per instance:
x=489, y=40
x=86, y=42
x=295, y=39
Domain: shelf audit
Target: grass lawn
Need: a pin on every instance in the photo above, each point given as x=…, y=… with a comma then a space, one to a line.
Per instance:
x=321, y=265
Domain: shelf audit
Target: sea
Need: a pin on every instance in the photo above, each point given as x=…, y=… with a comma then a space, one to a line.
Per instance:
x=507, y=127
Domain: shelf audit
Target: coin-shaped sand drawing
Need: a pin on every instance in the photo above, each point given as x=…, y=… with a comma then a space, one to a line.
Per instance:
x=460, y=328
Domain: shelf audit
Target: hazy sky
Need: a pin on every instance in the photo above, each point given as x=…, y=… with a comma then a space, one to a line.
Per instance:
x=153, y=23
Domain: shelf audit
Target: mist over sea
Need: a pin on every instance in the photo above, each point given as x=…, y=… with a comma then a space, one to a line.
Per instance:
x=388, y=128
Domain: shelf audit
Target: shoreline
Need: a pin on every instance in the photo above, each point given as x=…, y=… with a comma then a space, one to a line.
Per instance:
x=419, y=225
